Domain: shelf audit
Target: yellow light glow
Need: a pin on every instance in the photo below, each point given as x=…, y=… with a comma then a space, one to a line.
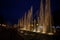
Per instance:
x=37, y=24
x=38, y=31
x=43, y=32
x=50, y=33
x=34, y=30
x=24, y=28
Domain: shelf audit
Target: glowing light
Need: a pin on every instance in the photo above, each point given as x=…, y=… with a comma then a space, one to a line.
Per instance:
x=37, y=24
x=3, y=25
x=43, y=32
x=50, y=33
x=24, y=28
x=38, y=31
x=34, y=30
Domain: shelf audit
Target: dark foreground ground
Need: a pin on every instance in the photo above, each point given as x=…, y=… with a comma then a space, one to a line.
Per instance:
x=12, y=34
x=9, y=34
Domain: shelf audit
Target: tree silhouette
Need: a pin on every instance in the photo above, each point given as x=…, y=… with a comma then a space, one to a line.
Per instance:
x=56, y=17
x=1, y=19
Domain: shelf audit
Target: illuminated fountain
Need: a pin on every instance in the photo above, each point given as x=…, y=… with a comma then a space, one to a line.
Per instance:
x=24, y=22
x=29, y=18
x=43, y=24
x=48, y=19
x=41, y=17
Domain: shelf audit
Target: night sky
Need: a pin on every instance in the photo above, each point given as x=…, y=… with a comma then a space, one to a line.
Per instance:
x=12, y=10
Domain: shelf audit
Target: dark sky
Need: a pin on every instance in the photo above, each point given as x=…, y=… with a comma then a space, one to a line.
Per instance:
x=12, y=10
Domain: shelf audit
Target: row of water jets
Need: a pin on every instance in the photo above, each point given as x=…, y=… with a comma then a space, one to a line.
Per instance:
x=42, y=24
